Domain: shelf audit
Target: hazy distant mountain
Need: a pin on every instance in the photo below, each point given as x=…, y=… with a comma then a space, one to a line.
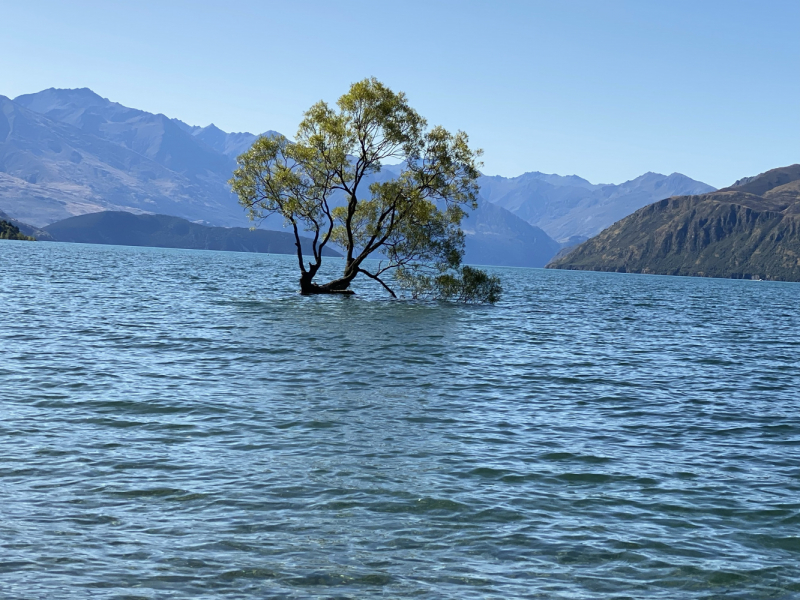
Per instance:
x=162, y=231
x=567, y=207
x=229, y=144
x=748, y=230
x=497, y=237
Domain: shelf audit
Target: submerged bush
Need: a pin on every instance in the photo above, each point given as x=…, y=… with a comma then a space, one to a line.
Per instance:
x=472, y=285
x=465, y=284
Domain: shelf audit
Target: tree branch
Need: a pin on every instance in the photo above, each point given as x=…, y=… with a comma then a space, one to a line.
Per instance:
x=299, y=246
x=379, y=280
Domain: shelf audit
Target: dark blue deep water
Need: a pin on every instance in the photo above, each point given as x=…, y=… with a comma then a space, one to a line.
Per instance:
x=181, y=424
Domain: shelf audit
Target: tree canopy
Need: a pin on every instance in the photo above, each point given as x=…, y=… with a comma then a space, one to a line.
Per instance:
x=325, y=184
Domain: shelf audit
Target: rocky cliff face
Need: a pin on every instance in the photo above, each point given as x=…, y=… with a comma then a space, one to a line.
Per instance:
x=750, y=230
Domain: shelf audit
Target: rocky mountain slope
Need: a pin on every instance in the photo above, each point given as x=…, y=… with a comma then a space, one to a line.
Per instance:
x=50, y=170
x=749, y=230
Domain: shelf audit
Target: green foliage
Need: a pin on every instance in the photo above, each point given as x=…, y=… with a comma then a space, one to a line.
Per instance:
x=476, y=286
x=12, y=232
x=319, y=184
x=464, y=284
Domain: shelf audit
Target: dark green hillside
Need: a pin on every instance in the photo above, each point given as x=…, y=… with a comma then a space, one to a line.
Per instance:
x=127, y=229
x=735, y=232
x=11, y=232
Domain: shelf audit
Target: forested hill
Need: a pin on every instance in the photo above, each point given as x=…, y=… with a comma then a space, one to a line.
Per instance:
x=27, y=230
x=126, y=229
x=11, y=232
x=749, y=230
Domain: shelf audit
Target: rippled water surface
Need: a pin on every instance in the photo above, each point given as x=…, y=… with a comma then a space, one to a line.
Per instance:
x=181, y=424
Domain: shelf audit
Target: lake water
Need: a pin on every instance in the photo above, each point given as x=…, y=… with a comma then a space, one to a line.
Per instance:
x=182, y=424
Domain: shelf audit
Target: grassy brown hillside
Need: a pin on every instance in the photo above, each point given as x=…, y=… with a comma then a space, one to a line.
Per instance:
x=749, y=230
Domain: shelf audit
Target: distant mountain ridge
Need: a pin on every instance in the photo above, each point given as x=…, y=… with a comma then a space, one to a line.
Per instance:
x=572, y=207
x=67, y=152
x=121, y=228
x=73, y=152
x=229, y=144
x=155, y=137
x=750, y=230
x=497, y=237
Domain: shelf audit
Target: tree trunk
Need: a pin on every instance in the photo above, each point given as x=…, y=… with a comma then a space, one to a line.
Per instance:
x=337, y=286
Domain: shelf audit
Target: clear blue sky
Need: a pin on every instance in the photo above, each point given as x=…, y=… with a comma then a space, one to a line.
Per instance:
x=606, y=89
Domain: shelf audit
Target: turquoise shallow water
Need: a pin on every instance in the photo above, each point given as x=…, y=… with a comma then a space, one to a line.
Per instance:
x=181, y=424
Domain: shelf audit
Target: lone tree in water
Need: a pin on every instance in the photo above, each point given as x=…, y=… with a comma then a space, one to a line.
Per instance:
x=323, y=184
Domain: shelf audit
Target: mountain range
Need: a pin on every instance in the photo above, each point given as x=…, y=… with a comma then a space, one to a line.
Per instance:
x=68, y=152
x=750, y=230
x=71, y=152
x=571, y=209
